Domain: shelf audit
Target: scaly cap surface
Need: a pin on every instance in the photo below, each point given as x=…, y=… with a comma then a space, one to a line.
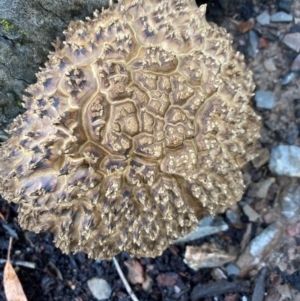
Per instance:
x=138, y=126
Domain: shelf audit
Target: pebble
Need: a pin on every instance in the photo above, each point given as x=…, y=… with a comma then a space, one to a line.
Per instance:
x=264, y=99
x=285, y=5
x=177, y=289
x=292, y=40
x=296, y=64
x=207, y=226
x=3, y=136
x=262, y=158
x=269, y=65
x=232, y=269
x=251, y=213
x=281, y=17
x=285, y=160
x=259, y=248
x=295, y=28
x=253, y=44
x=292, y=135
x=263, y=18
x=218, y=274
x=288, y=78
x=100, y=289
x=290, y=202
x=261, y=243
x=260, y=189
x=232, y=217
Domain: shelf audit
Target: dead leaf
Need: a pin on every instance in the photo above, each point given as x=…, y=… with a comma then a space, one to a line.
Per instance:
x=12, y=286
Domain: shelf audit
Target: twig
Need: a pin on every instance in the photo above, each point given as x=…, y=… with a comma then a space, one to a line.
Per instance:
x=26, y=264
x=127, y=286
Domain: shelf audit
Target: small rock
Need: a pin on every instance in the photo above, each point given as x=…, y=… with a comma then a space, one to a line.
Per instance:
x=261, y=188
x=3, y=136
x=167, y=279
x=259, y=248
x=136, y=273
x=295, y=28
x=218, y=274
x=232, y=217
x=292, y=40
x=262, y=158
x=264, y=99
x=281, y=17
x=177, y=289
x=269, y=65
x=292, y=135
x=207, y=226
x=100, y=289
x=232, y=269
x=296, y=64
x=251, y=213
x=289, y=77
x=285, y=160
x=290, y=202
x=263, y=18
x=285, y=5
x=206, y=256
x=252, y=48
x=260, y=245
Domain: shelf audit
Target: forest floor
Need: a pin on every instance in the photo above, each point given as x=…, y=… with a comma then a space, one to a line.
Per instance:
x=254, y=251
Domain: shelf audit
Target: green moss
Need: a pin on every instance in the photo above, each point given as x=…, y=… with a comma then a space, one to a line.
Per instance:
x=20, y=103
x=6, y=25
x=10, y=30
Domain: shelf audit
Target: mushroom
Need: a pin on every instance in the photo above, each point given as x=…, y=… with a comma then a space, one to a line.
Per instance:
x=138, y=126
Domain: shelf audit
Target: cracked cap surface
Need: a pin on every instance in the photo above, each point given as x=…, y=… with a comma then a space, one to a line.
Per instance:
x=137, y=127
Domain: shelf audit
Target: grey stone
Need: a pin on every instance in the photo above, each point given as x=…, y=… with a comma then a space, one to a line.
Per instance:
x=285, y=160
x=288, y=78
x=264, y=99
x=262, y=157
x=100, y=289
x=263, y=18
x=232, y=269
x=252, y=44
x=285, y=5
x=207, y=226
x=259, y=248
x=290, y=203
x=270, y=65
x=296, y=64
x=281, y=17
x=232, y=217
x=261, y=243
x=251, y=213
x=292, y=40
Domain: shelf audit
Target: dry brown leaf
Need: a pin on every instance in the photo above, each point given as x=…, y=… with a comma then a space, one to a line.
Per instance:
x=12, y=286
